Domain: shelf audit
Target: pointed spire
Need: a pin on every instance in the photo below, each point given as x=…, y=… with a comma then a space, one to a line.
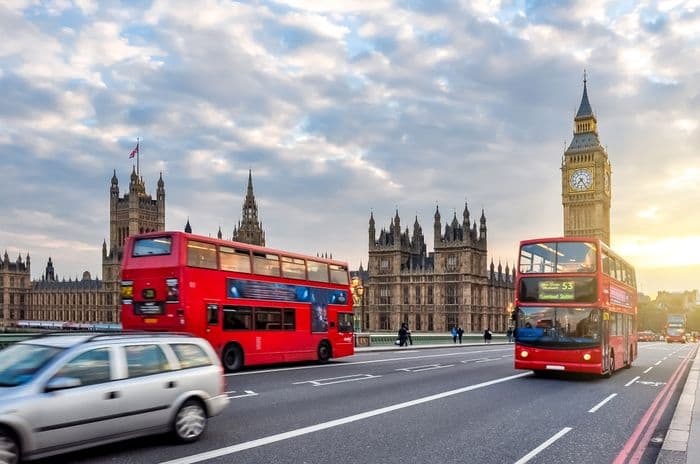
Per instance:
x=219, y=234
x=114, y=178
x=188, y=227
x=161, y=184
x=584, y=109
x=371, y=218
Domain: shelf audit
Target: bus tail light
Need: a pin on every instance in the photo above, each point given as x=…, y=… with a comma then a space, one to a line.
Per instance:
x=524, y=354
x=173, y=292
x=127, y=291
x=587, y=357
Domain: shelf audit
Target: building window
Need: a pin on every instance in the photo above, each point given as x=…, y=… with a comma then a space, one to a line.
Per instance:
x=418, y=300
x=384, y=265
x=431, y=327
x=451, y=294
x=384, y=295
x=430, y=295
x=384, y=321
x=418, y=327
x=452, y=262
x=405, y=295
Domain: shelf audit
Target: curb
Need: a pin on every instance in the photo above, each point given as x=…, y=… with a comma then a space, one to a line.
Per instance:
x=678, y=448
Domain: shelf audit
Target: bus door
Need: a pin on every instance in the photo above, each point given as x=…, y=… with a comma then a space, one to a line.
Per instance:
x=212, y=322
x=627, y=354
x=605, y=351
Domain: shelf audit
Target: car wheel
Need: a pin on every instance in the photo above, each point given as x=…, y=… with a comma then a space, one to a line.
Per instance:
x=190, y=421
x=324, y=352
x=612, y=365
x=9, y=449
x=232, y=358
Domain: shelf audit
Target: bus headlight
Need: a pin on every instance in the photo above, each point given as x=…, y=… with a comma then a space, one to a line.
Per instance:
x=523, y=354
x=587, y=357
x=127, y=291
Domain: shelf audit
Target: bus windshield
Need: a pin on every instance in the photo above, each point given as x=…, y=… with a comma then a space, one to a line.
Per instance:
x=554, y=257
x=555, y=326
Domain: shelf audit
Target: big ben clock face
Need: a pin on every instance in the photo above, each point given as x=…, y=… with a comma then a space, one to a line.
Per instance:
x=581, y=179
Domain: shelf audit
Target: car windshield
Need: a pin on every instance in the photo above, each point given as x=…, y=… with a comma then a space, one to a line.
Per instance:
x=20, y=362
x=553, y=326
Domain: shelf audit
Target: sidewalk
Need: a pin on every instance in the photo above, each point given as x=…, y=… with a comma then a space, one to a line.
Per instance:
x=682, y=442
x=366, y=349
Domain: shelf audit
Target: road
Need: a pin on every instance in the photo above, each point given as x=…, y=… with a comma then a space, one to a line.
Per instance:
x=462, y=404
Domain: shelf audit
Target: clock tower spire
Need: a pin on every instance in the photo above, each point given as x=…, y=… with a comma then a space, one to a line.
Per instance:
x=585, y=174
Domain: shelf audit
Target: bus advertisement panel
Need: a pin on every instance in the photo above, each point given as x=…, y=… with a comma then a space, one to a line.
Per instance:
x=255, y=305
x=575, y=307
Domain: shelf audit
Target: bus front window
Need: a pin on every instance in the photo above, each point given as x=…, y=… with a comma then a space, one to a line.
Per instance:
x=549, y=326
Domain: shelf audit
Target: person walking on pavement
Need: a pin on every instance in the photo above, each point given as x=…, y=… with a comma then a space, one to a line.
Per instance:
x=408, y=333
x=454, y=334
x=487, y=335
x=403, y=335
x=460, y=332
x=509, y=334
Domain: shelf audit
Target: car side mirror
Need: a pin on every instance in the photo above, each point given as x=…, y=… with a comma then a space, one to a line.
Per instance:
x=62, y=383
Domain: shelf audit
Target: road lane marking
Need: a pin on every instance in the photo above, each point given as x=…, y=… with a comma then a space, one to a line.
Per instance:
x=657, y=363
x=600, y=405
x=653, y=384
x=632, y=381
x=646, y=371
x=342, y=379
x=354, y=363
x=217, y=453
x=247, y=393
x=543, y=446
x=429, y=367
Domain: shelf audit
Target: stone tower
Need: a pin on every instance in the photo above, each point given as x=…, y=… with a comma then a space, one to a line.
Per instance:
x=249, y=229
x=134, y=213
x=585, y=179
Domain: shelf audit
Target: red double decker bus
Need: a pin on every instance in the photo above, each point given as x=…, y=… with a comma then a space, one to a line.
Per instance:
x=255, y=305
x=575, y=307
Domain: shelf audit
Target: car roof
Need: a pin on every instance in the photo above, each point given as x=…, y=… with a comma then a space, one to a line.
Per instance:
x=63, y=340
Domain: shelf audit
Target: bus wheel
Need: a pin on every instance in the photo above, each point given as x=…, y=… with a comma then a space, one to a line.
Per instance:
x=611, y=366
x=628, y=364
x=324, y=352
x=232, y=358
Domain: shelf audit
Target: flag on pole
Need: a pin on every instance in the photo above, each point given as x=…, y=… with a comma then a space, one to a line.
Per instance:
x=135, y=151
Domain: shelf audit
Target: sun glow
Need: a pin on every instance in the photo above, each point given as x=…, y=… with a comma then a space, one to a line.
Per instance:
x=665, y=252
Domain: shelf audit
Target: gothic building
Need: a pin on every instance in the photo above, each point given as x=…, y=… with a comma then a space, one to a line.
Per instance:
x=249, y=229
x=585, y=178
x=88, y=300
x=453, y=285
x=15, y=285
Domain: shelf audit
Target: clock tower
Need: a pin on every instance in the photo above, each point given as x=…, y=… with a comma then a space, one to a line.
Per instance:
x=585, y=178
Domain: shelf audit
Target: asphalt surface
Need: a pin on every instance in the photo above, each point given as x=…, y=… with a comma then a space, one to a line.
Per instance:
x=446, y=404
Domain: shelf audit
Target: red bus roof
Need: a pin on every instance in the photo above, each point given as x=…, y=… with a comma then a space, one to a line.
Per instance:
x=248, y=246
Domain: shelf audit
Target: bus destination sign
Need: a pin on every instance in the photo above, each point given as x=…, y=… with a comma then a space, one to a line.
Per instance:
x=560, y=290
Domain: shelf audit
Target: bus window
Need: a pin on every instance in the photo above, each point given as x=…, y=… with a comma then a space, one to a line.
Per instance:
x=152, y=246
x=345, y=322
x=268, y=319
x=339, y=274
x=234, y=260
x=200, y=254
x=294, y=268
x=317, y=271
x=266, y=264
x=238, y=318
x=289, y=320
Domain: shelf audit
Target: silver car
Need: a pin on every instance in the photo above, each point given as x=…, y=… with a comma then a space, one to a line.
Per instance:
x=61, y=393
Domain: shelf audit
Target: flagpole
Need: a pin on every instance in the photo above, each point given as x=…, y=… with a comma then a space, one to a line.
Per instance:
x=138, y=152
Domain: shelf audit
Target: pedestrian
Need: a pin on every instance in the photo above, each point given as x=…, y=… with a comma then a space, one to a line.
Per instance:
x=487, y=335
x=460, y=332
x=509, y=334
x=408, y=333
x=403, y=336
x=454, y=333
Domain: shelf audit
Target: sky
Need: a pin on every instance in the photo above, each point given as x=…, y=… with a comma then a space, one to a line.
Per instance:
x=342, y=109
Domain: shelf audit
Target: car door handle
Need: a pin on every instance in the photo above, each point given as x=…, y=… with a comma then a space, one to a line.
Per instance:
x=171, y=384
x=112, y=395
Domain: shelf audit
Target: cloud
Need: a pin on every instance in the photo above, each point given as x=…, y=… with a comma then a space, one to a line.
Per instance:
x=339, y=109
